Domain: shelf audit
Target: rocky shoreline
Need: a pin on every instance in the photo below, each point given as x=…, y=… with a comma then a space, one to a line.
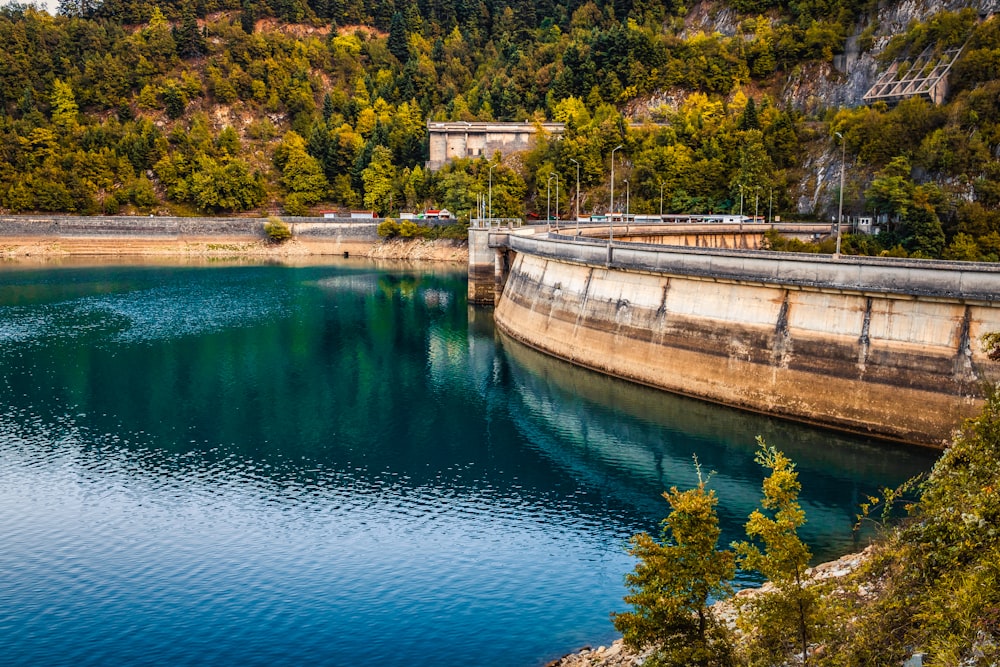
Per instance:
x=618, y=655
x=32, y=248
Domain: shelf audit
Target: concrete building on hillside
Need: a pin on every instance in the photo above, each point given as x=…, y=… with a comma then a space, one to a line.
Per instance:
x=451, y=140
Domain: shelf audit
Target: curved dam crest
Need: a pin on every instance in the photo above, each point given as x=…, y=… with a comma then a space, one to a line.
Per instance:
x=886, y=348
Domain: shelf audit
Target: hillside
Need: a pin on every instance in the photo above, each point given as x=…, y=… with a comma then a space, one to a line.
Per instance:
x=218, y=106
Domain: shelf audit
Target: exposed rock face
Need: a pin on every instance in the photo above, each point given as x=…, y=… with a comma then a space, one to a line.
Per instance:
x=710, y=17
x=854, y=72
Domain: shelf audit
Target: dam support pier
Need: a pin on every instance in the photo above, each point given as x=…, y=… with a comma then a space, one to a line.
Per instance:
x=887, y=348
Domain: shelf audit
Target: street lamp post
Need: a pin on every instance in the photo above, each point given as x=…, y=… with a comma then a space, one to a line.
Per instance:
x=741, y=206
x=556, y=173
x=577, y=195
x=661, y=201
x=611, y=211
x=756, y=199
x=491, y=192
x=770, y=200
x=840, y=209
x=626, y=206
x=548, y=201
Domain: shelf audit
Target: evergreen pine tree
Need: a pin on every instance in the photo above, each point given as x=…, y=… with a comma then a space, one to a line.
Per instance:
x=187, y=36
x=397, y=38
x=673, y=582
x=248, y=17
x=781, y=621
x=749, y=120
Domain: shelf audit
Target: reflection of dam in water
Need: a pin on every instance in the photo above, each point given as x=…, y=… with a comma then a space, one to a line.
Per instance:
x=630, y=443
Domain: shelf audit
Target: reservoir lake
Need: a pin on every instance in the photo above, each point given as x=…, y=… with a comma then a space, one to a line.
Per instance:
x=341, y=463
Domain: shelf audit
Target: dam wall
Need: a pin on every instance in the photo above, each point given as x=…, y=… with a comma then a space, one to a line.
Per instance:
x=749, y=236
x=876, y=346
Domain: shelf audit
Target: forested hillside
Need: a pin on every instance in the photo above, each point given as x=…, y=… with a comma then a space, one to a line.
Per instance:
x=226, y=106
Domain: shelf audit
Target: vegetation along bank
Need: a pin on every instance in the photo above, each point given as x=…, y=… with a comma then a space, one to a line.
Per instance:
x=295, y=106
x=926, y=592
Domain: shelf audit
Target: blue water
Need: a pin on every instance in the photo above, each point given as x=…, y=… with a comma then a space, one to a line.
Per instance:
x=339, y=464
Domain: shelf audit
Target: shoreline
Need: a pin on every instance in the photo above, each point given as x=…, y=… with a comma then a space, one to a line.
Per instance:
x=32, y=248
x=617, y=655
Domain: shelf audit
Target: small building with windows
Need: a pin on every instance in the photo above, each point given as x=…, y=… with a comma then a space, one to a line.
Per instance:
x=459, y=139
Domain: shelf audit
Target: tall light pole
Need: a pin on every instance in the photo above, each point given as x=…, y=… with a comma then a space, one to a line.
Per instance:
x=741, y=206
x=770, y=200
x=611, y=211
x=626, y=206
x=556, y=174
x=491, y=191
x=840, y=210
x=548, y=200
x=756, y=199
x=661, y=201
x=577, y=195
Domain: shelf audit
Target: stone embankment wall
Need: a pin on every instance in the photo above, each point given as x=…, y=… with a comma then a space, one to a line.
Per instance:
x=123, y=236
x=176, y=227
x=127, y=235
x=887, y=348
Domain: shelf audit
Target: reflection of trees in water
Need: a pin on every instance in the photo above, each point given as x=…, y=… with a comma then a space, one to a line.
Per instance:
x=635, y=442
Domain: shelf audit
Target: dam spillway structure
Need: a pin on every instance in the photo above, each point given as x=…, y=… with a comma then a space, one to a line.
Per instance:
x=876, y=346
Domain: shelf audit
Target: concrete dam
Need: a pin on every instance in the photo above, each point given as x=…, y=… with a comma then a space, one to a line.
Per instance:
x=878, y=346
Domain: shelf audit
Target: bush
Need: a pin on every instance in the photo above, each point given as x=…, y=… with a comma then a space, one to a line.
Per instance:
x=932, y=584
x=295, y=204
x=409, y=229
x=388, y=228
x=276, y=230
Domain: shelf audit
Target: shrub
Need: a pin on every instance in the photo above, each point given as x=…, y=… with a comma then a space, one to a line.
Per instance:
x=409, y=229
x=276, y=230
x=388, y=228
x=295, y=204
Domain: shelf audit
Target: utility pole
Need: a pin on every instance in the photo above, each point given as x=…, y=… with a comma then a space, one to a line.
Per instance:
x=577, y=195
x=611, y=211
x=840, y=210
x=557, y=199
x=548, y=201
x=626, y=206
x=491, y=191
x=741, y=206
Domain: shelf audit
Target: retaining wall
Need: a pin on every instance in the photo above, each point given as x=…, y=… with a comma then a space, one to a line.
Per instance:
x=876, y=346
x=176, y=227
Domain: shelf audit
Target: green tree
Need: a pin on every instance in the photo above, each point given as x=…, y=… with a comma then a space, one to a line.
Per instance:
x=174, y=99
x=378, y=178
x=925, y=227
x=673, y=582
x=962, y=248
x=303, y=175
x=397, y=38
x=228, y=186
x=891, y=190
x=187, y=36
x=64, y=108
x=779, y=621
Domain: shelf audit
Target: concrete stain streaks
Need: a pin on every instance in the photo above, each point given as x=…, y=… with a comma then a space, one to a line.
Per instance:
x=899, y=368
